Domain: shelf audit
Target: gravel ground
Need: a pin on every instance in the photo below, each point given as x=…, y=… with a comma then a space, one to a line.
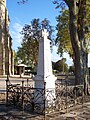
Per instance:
x=11, y=113
x=80, y=112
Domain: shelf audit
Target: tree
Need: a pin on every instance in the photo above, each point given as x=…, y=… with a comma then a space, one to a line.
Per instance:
x=78, y=30
x=63, y=34
x=22, y=1
x=53, y=64
x=71, y=69
x=28, y=52
x=61, y=66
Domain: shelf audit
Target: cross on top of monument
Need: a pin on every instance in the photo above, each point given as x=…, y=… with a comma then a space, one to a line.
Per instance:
x=45, y=33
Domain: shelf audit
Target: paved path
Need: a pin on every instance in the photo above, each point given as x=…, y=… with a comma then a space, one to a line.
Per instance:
x=81, y=112
x=9, y=113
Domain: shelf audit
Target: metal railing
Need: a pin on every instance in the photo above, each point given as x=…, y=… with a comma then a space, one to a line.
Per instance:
x=25, y=97
x=35, y=99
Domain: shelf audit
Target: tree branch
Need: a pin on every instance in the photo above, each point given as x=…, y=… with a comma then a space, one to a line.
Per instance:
x=69, y=2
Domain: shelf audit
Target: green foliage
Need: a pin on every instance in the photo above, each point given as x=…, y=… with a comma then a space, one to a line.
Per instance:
x=63, y=35
x=88, y=23
x=61, y=66
x=15, y=59
x=79, y=24
x=28, y=52
x=71, y=69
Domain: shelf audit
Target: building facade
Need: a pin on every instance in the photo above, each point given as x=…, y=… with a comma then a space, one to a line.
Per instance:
x=6, y=52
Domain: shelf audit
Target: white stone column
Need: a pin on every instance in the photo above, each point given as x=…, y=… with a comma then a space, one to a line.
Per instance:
x=44, y=69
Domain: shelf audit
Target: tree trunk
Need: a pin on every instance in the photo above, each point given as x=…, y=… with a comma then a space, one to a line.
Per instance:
x=75, y=43
x=78, y=41
x=83, y=42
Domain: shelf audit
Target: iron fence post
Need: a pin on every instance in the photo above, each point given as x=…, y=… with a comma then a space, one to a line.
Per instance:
x=7, y=89
x=75, y=95
x=66, y=98
x=27, y=82
x=23, y=95
x=83, y=96
x=44, y=97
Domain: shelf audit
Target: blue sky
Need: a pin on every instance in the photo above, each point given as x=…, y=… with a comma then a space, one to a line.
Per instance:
x=24, y=13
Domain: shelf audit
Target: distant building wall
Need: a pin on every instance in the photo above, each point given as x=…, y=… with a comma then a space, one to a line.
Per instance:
x=5, y=41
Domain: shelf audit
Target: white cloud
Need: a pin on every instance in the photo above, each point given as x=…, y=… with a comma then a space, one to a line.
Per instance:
x=69, y=60
x=55, y=57
x=15, y=30
x=15, y=34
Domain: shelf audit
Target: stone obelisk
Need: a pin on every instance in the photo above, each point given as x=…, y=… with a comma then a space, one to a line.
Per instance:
x=44, y=69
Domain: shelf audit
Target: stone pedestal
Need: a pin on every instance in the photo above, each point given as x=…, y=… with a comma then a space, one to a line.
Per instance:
x=44, y=69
